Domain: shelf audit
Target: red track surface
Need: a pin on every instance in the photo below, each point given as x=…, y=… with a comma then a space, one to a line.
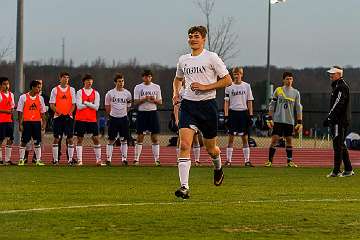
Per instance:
x=305, y=157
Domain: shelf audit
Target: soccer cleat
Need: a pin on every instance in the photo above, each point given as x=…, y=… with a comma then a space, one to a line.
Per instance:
x=157, y=163
x=80, y=163
x=7, y=163
x=248, y=164
x=197, y=164
x=218, y=177
x=228, y=163
x=347, y=174
x=333, y=174
x=21, y=162
x=291, y=164
x=268, y=164
x=55, y=162
x=182, y=192
x=39, y=163
x=136, y=163
x=125, y=163
x=100, y=163
x=108, y=163
x=1, y=162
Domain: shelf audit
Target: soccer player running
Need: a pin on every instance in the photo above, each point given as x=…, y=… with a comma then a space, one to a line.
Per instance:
x=7, y=105
x=200, y=70
x=87, y=103
x=238, y=110
x=117, y=104
x=62, y=102
x=284, y=103
x=147, y=96
x=31, y=110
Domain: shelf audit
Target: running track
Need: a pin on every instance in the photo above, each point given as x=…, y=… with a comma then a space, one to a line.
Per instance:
x=304, y=157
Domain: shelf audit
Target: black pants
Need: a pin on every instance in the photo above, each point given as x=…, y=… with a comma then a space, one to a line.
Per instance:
x=341, y=153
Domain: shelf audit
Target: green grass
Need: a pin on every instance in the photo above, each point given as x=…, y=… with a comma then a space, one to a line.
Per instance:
x=260, y=203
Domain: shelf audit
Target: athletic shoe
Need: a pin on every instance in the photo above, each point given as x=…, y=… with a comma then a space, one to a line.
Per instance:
x=39, y=163
x=197, y=164
x=332, y=174
x=292, y=164
x=55, y=162
x=33, y=159
x=21, y=162
x=1, y=162
x=25, y=161
x=183, y=192
x=100, y=163
x=228, y=163
x=218, y=177
x=108, y=163
x=268, y=164
x=10, y=163
x=80, y=163
x=136, y=163
x=347, y=174
x=125, y=163
x=157, y=163
x=248, y=164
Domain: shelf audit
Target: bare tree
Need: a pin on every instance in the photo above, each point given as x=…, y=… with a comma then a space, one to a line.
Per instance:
x=6, y=50
x=223, y=39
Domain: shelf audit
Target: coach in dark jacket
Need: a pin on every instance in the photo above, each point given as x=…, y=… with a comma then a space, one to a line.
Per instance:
x=338, y=120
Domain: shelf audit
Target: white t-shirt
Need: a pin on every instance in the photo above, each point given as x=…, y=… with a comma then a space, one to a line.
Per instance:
x=205, y=69
x=22, y=100
x=12, y=97
x=142, y=90
x=80, y=105
x=238, y=95
x=119, y=102
x=53, y=95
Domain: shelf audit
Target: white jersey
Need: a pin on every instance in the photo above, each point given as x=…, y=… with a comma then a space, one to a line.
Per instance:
x=142, y=90
x=238, y=95
x=54, y=92
x=22, y=100
x=204, y=69
x=119, y=102
x=12, y=98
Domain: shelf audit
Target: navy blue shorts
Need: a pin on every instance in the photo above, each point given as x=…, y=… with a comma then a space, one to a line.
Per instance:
x=118, y=127
x=82, y=128
x=201, y=115
x=238, y=122
x=283, y=129
x=63, y=125
x=31, y=130
x=6, y=130
x=147, y=121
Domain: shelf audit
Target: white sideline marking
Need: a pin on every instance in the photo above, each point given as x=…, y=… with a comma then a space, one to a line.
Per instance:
x=173, y=203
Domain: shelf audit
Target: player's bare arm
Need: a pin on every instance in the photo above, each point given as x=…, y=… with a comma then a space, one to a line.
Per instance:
x=177, y=85
x=221, y=83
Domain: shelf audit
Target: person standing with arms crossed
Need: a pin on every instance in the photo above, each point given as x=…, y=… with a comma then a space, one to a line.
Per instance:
x=203, y=72
x=338, y=120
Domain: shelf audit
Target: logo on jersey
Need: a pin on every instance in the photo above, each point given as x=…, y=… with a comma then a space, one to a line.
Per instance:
x=148, y=93
x=63, y=97
x=193, y=70
x=235, y=92
x=119, y=100
x=33, y=107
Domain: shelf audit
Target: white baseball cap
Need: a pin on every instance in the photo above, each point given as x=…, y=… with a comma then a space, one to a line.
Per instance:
x=335, y=70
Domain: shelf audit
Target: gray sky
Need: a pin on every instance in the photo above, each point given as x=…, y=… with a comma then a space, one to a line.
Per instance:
x=305, y=33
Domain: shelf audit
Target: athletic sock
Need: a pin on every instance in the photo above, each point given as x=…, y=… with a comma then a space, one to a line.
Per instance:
x=55, y=152
x=184, y=165
x=229, y=152
x=217, y=162
x=246, y=151
x=272, y=151
x=8, y=153
x=124, y=150
x=138, y=148
x=70, y=149
x=97, y=150
x=22, y=152
x=289, y=152
x=109, y=152
x=79, y=150
x=196, y=151
x=156, y=151
x=37, y=150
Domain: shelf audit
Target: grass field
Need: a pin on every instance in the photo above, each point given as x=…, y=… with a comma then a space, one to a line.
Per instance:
x=139, y=203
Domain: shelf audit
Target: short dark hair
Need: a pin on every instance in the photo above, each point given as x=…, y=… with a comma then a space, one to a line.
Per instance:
x=201, y=29
x=118, y=76
x=87, y=77
x=3, y=79
x=34, y=83
x=146, y=72
x=287, y=74
x=62, y=74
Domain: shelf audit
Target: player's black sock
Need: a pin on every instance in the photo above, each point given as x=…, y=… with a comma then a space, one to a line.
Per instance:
x=271, y=153
x=289, y=152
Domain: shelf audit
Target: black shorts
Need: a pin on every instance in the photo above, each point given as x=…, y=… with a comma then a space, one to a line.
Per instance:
x=31, y=130
x=118, y=127
x=147, y=121
x=201, y=115
x=238, y=122
x=82, y=128
x=6, y=130
x=63, y=125
x=283, y=129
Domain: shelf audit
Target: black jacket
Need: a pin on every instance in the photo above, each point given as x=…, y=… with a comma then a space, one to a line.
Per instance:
x=340, y=109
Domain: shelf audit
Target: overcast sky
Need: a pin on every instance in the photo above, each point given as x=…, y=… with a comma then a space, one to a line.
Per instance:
x=305, y=33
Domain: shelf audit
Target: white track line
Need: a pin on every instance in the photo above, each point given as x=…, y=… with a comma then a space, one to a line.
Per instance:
x=173, y=203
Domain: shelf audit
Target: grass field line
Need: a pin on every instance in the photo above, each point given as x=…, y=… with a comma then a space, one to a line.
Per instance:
x=187, y=202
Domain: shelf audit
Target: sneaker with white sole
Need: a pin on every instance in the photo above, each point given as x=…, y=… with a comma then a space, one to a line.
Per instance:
x=183, y=192
x=347, y=174
x=333, y=174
